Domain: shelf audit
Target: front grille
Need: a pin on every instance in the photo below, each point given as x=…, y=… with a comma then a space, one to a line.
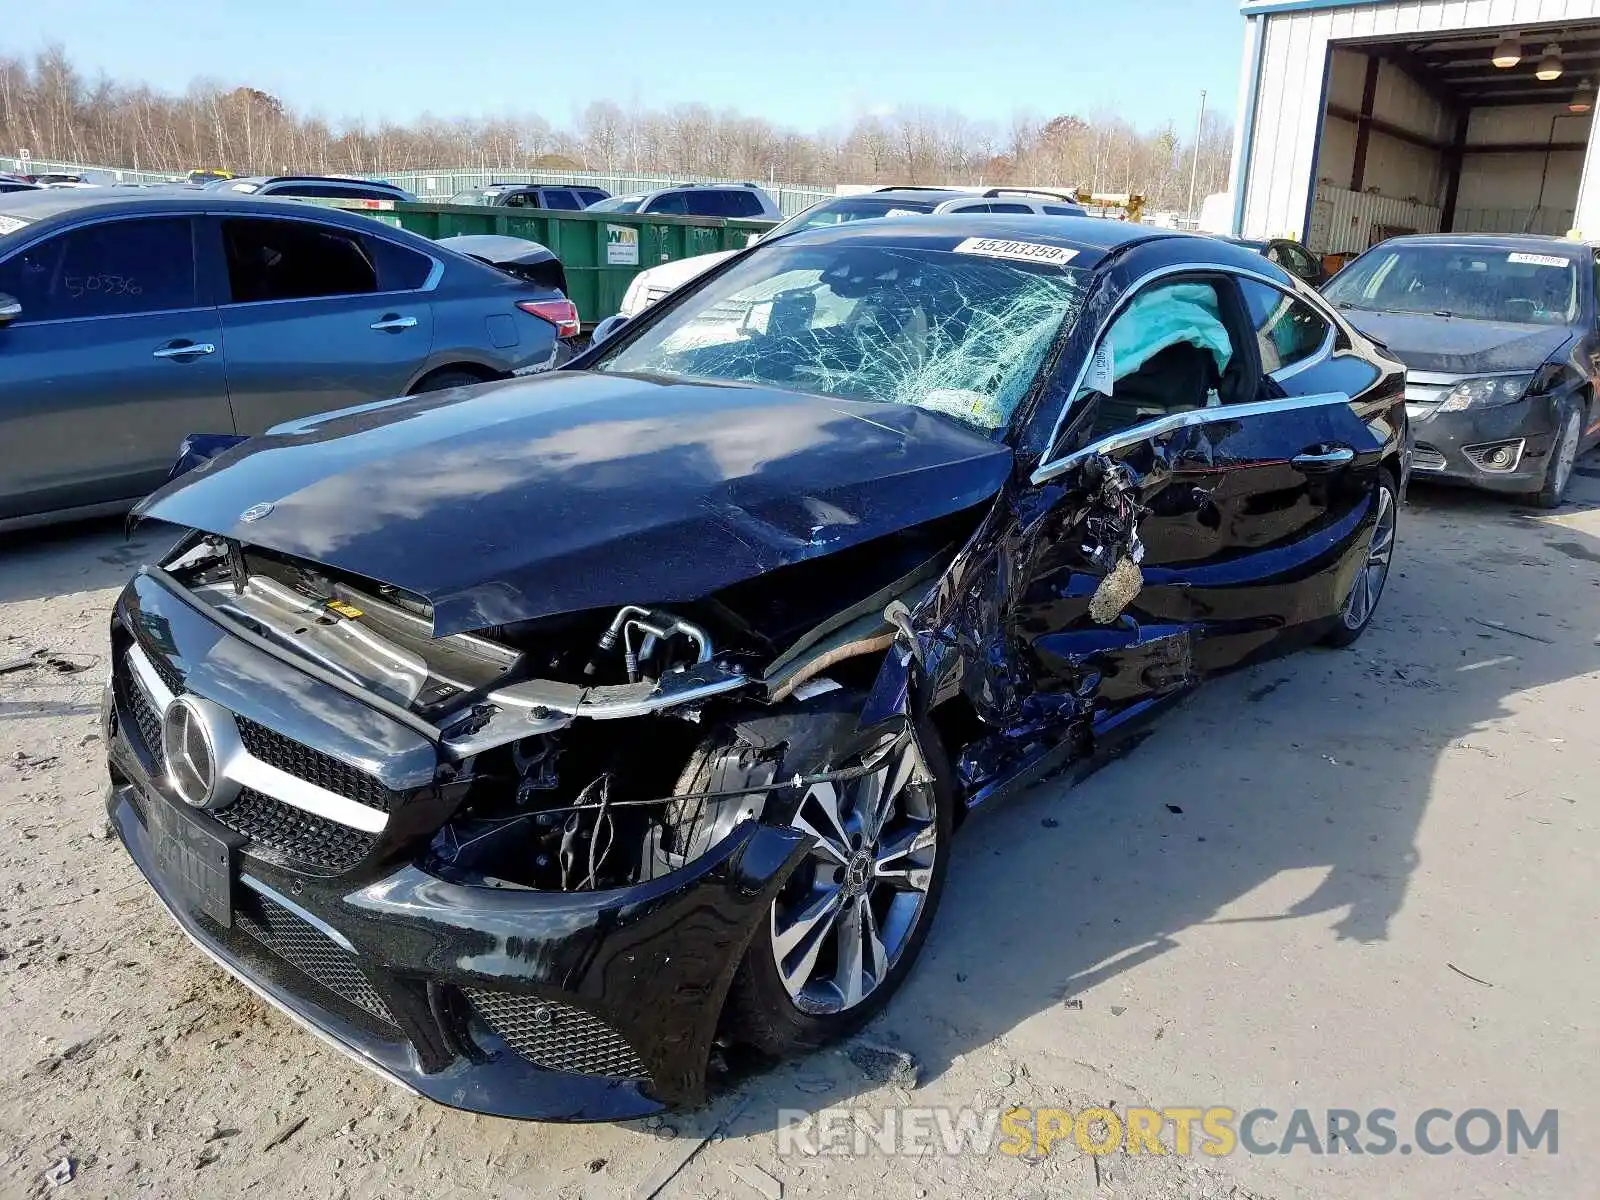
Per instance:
x=145, y=718
x=557, y=1037
x=1426, y=458
x=301, y=761
x=281, y=832
x=312, y=953
x=278, y=832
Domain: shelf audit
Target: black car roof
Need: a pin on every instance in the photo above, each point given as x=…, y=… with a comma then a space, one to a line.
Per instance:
x=1091, y=237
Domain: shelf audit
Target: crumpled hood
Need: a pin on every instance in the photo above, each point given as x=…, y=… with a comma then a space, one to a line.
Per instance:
x=1458, y=346
x=573, y=490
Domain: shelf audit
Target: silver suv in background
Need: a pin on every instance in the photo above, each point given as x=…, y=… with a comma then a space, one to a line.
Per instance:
x=743, y=200
x=318, y=187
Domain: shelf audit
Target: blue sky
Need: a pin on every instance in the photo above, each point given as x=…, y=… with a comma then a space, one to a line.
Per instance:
x=805, y=64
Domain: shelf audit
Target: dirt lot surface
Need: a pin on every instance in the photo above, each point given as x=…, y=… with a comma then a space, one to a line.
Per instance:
x=1359, y=879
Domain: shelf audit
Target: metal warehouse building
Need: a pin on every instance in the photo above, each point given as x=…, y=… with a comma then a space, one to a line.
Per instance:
x=1363, y=119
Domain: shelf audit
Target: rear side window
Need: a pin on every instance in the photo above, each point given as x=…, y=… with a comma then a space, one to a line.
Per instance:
x=399, y=269
x=1288, y=330
x=588, y=196
x=1009, y=207
x=742, y=203
x=560, y=198
x=109, y=269
x=671, y=202
x=293, y=260
x=1061, y=210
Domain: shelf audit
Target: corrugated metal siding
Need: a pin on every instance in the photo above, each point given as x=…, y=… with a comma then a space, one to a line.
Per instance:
x=1346, y=222
x=1553, y=221
x=1289, y=99
x=1530, y=123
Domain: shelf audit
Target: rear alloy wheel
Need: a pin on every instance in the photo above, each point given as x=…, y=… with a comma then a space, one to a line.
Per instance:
x=1563, y=457
x=849, y=922
x=447, y=379
x=1367, y=588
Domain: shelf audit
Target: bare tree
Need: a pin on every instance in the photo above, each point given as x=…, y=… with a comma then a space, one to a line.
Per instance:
x=49, y=107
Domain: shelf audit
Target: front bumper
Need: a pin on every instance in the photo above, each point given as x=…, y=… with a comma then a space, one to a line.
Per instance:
x=448, y=990
x=1456, y=446
x=576, y=1006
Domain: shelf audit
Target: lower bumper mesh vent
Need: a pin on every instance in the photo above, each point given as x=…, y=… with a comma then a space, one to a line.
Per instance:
x=312, y=953
x=557, y=1036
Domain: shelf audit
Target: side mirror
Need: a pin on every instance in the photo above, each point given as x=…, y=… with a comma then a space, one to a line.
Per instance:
x=10, y=309
x=606, y=328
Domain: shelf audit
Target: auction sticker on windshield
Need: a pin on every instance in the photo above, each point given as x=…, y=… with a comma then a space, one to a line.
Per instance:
x=1539, y=260
x=1035, y=252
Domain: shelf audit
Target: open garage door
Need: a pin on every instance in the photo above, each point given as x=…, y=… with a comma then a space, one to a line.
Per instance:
x=1426, y=134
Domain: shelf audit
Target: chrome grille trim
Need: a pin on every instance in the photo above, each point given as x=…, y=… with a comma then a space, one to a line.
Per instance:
x=251, y=772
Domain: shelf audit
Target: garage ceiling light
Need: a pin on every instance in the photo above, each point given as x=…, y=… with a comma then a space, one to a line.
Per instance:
x=1550, y=67
x=1582, y=99
x=1508, y=53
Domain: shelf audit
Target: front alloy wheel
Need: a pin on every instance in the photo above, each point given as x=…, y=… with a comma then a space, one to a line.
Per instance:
x=1563, y=458
x=864, y=888
x=1367, y=588
x=848, y=923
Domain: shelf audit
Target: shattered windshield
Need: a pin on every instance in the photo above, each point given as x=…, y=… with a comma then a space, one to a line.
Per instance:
x=961, y=332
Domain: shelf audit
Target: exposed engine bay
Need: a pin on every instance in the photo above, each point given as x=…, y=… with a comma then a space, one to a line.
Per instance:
x=554, y=794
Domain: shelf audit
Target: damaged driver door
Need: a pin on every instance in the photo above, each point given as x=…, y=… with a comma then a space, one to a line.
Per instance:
x=1196, y=524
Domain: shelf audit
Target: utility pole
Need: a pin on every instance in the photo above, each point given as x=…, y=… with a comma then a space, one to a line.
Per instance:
x=1199, y=127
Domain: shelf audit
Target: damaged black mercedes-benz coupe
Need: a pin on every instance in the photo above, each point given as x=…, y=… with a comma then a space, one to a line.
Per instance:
x=528, y=741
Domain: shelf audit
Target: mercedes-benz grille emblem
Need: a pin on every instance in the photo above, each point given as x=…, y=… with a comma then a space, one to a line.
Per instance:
x=255, y=512
x=197, y=738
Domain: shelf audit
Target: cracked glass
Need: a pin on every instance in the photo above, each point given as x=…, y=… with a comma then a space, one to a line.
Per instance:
x=955, y=333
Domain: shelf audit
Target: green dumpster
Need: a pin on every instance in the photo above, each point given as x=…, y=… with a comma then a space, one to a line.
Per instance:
x=601, y=252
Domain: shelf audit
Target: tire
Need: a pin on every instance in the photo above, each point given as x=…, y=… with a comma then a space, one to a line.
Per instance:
x=1367, y=589
x=1563, y=456
x=764, y=1011
x=446, y=379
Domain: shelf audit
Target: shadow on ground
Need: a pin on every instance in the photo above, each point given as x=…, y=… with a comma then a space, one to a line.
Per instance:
x=83, y=556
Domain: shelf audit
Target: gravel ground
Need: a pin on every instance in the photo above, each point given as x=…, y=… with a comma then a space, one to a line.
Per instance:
x=1346, y=879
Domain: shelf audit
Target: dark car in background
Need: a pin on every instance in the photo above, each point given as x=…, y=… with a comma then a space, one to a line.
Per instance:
x=1500, y=338
x=320, y=187
x=16, y=183
x=526, y=740
x=566, y=197
x=1288, y=254
x=130, y=319
x=738, y=200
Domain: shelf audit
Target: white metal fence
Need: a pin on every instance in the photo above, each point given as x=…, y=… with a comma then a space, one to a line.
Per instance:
x=443, y=182
x=41, y=166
